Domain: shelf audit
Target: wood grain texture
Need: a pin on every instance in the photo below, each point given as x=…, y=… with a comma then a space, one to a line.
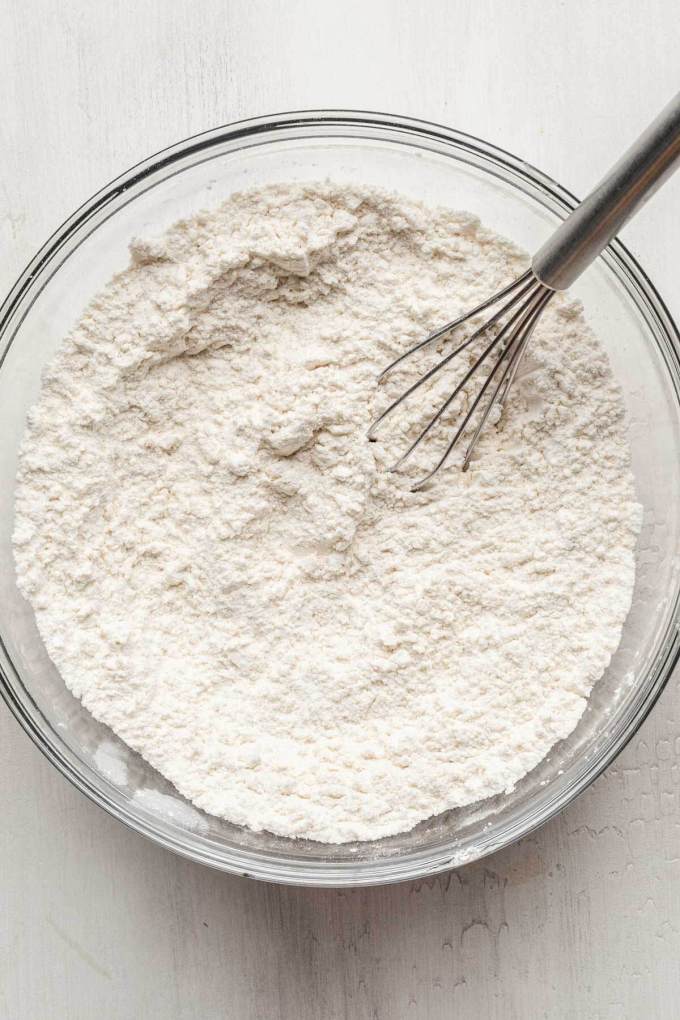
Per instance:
x=581, y=919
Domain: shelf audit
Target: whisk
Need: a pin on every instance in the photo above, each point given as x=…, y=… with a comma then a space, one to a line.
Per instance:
x=519, y=306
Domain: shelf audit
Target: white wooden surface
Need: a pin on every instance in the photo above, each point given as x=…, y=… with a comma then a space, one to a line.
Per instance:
x=580, y=920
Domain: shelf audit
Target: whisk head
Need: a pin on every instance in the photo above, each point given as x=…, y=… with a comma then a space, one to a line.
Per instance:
x=521, y=304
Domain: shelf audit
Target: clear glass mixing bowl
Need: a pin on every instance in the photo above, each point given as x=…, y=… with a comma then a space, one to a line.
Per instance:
x=436, y=165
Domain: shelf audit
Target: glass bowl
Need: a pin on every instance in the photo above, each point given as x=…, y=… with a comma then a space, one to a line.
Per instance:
x=438, y=166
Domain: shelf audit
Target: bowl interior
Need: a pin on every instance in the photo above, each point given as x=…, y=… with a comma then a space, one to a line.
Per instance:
x=436, y=167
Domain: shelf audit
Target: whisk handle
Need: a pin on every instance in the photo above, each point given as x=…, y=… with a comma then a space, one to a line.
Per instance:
x=618, y=196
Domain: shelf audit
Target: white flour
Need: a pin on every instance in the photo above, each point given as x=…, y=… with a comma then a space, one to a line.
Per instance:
x=226, y=575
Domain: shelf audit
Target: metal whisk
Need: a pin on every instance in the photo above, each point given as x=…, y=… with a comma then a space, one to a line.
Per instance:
x=563, y=257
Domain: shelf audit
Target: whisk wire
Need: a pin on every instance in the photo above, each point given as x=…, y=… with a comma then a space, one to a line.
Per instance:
x=468, y=375
x=519, y=353
x=508, y=375
x=445, y=360
x=523, y=302
x=438, y=334
x=529, y=316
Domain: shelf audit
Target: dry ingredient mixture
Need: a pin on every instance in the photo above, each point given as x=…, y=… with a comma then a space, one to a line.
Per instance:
x=225, y=573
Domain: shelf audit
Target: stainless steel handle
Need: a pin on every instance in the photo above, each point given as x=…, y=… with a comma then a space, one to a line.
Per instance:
x=629, y=183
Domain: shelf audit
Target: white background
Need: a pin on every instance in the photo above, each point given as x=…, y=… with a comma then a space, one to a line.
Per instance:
x=581, y=919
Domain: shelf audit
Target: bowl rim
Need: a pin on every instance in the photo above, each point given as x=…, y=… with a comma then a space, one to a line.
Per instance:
x=415, y=863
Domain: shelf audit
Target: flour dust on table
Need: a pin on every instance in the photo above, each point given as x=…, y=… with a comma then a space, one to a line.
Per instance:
x=226, y=574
